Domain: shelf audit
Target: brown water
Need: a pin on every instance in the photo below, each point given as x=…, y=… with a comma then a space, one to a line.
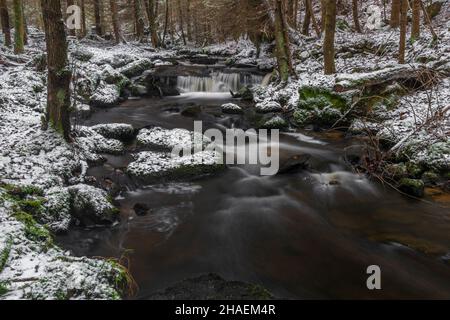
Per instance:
x=304, y=235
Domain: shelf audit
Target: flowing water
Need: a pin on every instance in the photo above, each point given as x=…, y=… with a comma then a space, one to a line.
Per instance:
x=218, y=82
x=307, y=234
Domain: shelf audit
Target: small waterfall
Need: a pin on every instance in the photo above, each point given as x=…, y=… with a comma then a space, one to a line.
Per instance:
x=217, y=82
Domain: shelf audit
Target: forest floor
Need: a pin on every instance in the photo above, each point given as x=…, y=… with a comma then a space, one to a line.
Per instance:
x=402, y=111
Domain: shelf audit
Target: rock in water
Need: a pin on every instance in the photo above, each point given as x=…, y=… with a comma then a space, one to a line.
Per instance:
x=213, y=287
x=413, y=187
x=232, y=108
x=118, y=131
x=141, y=209
x=106, y=96
x=91, y=205
x=268, y=107
x=294, y=163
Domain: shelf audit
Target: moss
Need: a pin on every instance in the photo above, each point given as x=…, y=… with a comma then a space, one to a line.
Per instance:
x=3, y=289
x=122, y=85
x=319, y=98
x=413, y=187
x=430, y=178
x=4, y=255
x=302, y=117
x=122, y=280
x=259, y=293
x=22, y=191
x=414, y=170
x=34, y=231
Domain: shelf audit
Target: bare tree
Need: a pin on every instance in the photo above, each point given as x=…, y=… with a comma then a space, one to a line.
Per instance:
x=395, y=13
x=355, y=10
x=282, y=42
x=307, y=19
x=19, y=27
x=115, y=22
x=415, y=30
x=4, y=16
x=139, y=20
x=328, y=43
x=59, y=75
x=98, y=18
x=403, y=26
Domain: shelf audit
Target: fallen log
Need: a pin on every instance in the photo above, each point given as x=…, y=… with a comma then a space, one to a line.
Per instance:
x=347, y=82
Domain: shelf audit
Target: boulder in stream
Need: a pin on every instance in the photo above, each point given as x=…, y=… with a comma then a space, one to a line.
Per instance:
x=268, y=107
x=213, y=287
x=118, y=131
x=294, y=163
x=91, y=205
x=106, y=96
x=150, y=165
x=232, y=108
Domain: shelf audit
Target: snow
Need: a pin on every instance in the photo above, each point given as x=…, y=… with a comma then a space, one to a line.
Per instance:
x=151, y=164
x=35, y=270
x=169, y=139
x=231, y=108
x=118, y=131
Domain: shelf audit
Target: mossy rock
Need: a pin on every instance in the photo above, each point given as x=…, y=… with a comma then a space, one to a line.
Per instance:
x=435, y=8
x=246, y=94
x=414, y=170
x=342, y=25
x=396, y=170
x=430, y=178
x=413, y=187
x=302, y=117
x=315, y=97
x=3, y=289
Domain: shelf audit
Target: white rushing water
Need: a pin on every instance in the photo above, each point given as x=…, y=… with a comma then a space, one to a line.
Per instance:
x=217, y=82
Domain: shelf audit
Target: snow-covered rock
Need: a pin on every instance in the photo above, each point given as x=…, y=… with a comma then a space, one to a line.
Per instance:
x=169, y=139
x=106, y=95
x=91, y=205
x=151, y=165
x=117, y=131
x=268, y=106
x=92, y=144
x=231, y=108
x=136, y=68
x=275, y=122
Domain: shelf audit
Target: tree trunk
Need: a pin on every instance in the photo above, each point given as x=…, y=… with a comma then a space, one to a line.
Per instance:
x=428, y=21
x=166, y=22
x=150, y=8
x=139, y=20
x=115, y=21
x=403, y=27
x=314, y=21
x=188, y=20
x=295, y=18
x=415, y=31
x=180, y=13
x=355, y=10
x=328, y=43
x=323, y=9
x=6, y=28
x=19, y=27
x=98, y=18
x=83, y=30
x=395, y=13
x=307, y=19
x=59, y=75
x=282, y=53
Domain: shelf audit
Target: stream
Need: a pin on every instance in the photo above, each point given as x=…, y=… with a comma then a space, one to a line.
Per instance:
x=303, y=235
